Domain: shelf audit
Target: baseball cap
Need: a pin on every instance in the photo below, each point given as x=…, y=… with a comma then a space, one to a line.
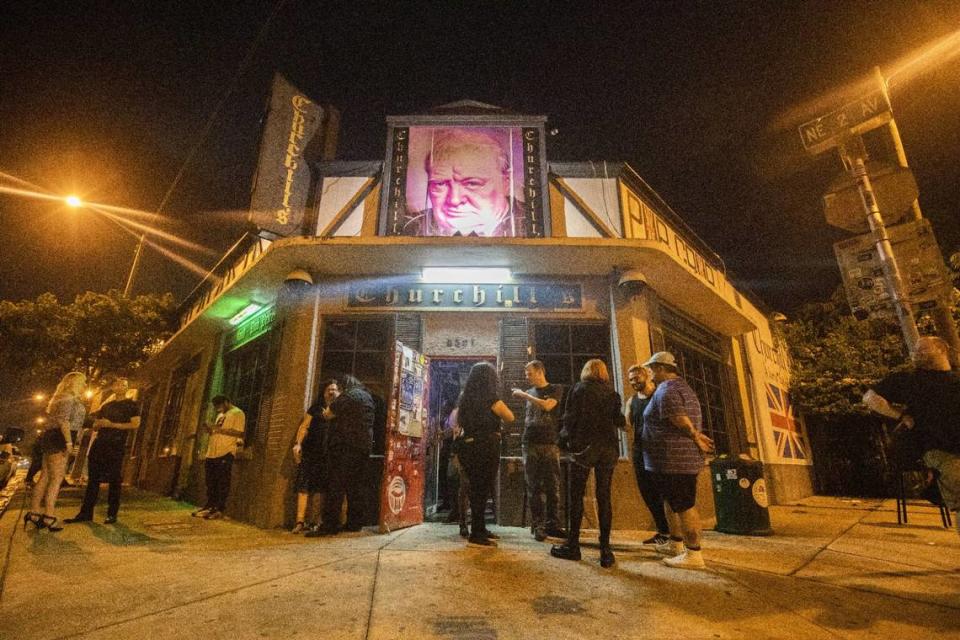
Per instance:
x=662, y=357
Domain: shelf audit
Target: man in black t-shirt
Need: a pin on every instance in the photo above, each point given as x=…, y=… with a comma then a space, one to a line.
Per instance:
x=113, y=421
x=541, y=452
x=643, y=387
x=930, y=401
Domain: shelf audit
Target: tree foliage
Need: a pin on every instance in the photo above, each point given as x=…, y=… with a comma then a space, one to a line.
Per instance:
x=836, y=358
x=97, y=333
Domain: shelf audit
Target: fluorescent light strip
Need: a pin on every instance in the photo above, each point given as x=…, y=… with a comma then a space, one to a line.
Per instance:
x=457, y=275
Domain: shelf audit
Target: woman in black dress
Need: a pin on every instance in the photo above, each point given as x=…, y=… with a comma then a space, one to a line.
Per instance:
x=479, y=414
x=591, y=424
x=310, y=453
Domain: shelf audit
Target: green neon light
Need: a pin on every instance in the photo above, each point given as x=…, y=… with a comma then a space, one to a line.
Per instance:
x=253, y=327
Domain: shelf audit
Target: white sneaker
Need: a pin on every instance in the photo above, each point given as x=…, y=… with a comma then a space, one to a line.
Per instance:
x=670, y=547
x=686, y=560
x=201, y=513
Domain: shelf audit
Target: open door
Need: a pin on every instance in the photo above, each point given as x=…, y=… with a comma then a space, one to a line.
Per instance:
x=401, y=492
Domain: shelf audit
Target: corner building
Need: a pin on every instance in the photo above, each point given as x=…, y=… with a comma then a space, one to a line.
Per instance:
x=341, y=278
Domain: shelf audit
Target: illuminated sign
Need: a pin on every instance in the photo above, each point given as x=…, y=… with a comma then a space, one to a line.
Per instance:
x=252, y=327
x=456, y=180
x=466, y=297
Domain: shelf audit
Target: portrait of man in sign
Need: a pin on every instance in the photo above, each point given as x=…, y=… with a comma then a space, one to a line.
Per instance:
x=465, y=181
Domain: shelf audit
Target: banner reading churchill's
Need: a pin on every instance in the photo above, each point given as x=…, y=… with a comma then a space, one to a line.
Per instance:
x=482, y=181
x=297, y=131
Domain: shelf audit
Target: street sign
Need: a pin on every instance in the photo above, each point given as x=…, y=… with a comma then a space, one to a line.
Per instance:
x=859, y=116
x=894, y=187
x=925, y=277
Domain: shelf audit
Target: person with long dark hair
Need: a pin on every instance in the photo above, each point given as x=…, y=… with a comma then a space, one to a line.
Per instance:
x=65, y=413
x=591, y=424
x=479, y=414
x=310, y=453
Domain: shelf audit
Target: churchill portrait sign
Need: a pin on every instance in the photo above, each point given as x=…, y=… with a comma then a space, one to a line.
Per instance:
x=482, y=181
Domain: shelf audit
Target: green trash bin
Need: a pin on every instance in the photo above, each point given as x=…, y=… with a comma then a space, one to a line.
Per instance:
x=740, y=496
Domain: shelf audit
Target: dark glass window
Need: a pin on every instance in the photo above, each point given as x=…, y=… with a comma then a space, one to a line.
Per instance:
x=699, y=356
x=167, y=433
x=565, y=347
x=245, y=378
x=360, y=348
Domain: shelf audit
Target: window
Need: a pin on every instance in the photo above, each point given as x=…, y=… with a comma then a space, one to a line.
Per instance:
x=361, y=348
x=565, y=348
x=245, y=380
x=169, y=427
x=147, y=397
x=356, y=347
x=699, y=362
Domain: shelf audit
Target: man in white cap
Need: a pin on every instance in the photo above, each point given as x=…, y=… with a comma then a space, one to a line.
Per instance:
x=673, y=448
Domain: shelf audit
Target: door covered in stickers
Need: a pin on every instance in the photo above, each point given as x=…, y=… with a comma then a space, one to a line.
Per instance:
x=401, y=493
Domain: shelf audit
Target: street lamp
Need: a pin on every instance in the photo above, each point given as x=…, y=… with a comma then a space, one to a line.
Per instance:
x=39, y=396
x=75, y=202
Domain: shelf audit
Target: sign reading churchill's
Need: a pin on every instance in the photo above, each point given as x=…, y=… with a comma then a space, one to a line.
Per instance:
x=481, y=181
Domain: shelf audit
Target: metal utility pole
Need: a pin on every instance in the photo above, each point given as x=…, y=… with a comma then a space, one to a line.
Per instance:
x=137, y=253
x=854, y=154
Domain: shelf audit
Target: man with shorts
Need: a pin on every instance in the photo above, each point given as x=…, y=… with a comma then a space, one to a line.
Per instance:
x=930, y=397
x=673, y=448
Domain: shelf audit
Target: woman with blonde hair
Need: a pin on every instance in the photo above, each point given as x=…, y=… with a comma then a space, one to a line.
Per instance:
x=591, y=424
x=65, y=413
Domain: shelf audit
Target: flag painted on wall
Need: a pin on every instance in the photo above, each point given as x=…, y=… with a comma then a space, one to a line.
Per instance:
x=787, y=433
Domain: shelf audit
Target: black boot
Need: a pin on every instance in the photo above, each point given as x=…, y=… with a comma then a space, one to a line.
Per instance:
x=565, y=551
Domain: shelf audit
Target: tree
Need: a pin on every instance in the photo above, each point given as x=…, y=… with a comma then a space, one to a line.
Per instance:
x=836, y=358
x=98, y=333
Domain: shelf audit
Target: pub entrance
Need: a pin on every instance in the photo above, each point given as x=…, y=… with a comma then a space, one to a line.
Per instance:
x=447, y=377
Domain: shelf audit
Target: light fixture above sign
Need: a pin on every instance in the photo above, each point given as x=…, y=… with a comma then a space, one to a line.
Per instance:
x=453, y=275
x=245, y=313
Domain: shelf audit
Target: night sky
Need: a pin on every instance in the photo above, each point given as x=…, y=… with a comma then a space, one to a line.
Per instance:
x=107, y=99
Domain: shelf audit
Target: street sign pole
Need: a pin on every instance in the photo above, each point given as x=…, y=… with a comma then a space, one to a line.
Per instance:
x=853, y=152
x=942, y=316
x=895, y=136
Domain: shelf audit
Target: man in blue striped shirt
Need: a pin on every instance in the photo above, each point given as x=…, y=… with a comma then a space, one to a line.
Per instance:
x=673, y=448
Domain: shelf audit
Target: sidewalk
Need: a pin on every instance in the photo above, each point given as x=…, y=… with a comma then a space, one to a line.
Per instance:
x=834, y=569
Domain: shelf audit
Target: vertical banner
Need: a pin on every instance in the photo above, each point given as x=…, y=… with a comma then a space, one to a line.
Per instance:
x=401, y=492
x=293, y=133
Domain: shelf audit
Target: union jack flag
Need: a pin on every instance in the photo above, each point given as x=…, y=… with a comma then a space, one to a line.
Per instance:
x=786, y=431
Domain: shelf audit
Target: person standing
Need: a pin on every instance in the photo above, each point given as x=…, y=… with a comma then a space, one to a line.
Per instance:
x=65, y=413
x=591, y=424
x=643, y=388
x=541, y=453
x=930, y=396
x=673, y=452
x=352, y=415
x=310, y=453
x=479, y=413
x=226, y=436
x=117, y=416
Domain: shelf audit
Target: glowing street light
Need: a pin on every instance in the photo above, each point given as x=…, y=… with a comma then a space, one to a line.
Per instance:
x=39, y=396
x=73, y=201
x=40, y=420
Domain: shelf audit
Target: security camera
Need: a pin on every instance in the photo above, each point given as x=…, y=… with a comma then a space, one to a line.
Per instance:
x=633, y=281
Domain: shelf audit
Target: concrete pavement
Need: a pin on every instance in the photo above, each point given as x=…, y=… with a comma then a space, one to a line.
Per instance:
x=834, y=569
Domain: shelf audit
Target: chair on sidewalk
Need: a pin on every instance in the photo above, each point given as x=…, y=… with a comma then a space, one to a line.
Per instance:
x=934, y=499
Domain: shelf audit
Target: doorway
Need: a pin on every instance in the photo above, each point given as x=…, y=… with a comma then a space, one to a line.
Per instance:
x=447, y=376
